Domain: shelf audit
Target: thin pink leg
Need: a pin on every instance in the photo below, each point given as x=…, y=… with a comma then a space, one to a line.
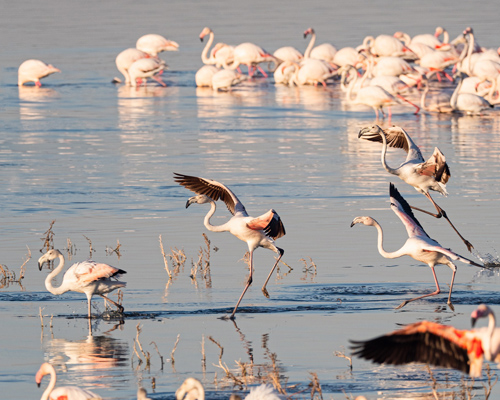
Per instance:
x=249, y=282
x=404, y=303
x=262, y=71
x=264, y=290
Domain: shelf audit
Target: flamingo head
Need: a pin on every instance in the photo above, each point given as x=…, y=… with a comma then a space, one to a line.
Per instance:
x=191, y=389
x=44, y=370
x=53, y=69
x=48, y=257
x=369, y=132
x=309, y=31
x=439, y=31
x=199, y=199
x=481, y=312
x=368, y=221
x=206, y=31
x=467, y=31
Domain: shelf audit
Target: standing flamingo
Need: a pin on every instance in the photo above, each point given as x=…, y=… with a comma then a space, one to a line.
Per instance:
x=251, y=55
x=86, y=277
x=415, y=171
x=62, y=392
x=435, y=344
x=154, y=44
x=418, y=245
x=33, y=71
x=192, y=389
x=147, y=68
x=469, y=103
x=220, y=54
x=203, y=77
x=325, y=51
x=126, y=58
x=257, y=232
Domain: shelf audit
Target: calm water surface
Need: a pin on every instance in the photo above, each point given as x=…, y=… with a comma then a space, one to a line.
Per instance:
x=98, y=159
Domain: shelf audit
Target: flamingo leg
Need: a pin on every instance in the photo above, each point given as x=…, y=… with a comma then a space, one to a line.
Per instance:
x=264, y=290
x=417, y=108
x=249, y=282
x=262, y=71
x=106, y=298
x=158, y=79
x=438, y=290
x=442, y=213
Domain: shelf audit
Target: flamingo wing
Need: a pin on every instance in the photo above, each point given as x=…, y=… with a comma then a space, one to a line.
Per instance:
x=405, y=213
x=426, y=342
x=213, y=189
x=270, y=223
x=436, y=166
x=90, y=271
x=72, y=392
x=402, y=140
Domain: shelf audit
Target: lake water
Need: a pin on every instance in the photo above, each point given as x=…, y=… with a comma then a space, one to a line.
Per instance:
x=99, y=158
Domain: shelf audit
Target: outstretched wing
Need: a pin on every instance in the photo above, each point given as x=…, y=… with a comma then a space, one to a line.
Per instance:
x=426, y=342
x=405, y=213
x=213, y=189
x=270, y=223
x=436, y=166
x=401, y=139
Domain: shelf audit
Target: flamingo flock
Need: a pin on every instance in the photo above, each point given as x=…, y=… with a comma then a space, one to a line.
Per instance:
x=382, y=71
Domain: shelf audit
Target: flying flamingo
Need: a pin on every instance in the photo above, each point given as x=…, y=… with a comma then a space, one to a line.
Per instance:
x=86, y=277
x=154, y=44
x=418, y=245
x=62, y=392
x=415, y=171
x=147, y=68
x=192, y=389
x=251, y=55
x=220, y=54
x=325, y=51
x=33, y=71
x=257, y=232
x=435, y=344
x=126, y=58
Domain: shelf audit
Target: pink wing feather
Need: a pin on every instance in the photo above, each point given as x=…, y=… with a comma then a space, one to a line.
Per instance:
x=90, y=271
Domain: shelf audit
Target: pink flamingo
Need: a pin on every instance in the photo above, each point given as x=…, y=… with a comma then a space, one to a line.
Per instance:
x=204, y=75
x=86, y=277
x=419, y=245
x=147, y=68
x=154, y=44
x=251, y=55
x=62, y=392
x=436, y=344
x=256, y=232
x=220, y=54
x=33, y=71
x=126, y=58
x=325, y=51
x=385, y=45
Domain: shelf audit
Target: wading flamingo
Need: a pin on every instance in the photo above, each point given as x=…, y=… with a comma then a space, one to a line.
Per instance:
x=257, y=232
x=220, y=54
x=192, y=389
x=470, y=103
x=415, y=171
x=325, y=51
x=225, y=79
x=251, y=55
x=419, y=245
x=203, y=77
x=435, y=344
x=154, y=44
x=62, y=392
x=126, y=58
x=147, y=68
x=33, y=71
x=86, y=277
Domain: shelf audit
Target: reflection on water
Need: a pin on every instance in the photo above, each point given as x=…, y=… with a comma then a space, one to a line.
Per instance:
x=33, y=102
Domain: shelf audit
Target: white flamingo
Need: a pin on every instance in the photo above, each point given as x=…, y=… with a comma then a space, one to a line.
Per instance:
x=347, y=56
x=221, y=53
x=469, y=103
x=439, y=102
x=385, y=45
x=251, y=55
x=33, y=71
x=86, y=277
x=154, y=44
x=427, y=39
x=225, y=79
x=415, y=171
x=312, y=71
x=126, y=58
x=419, y=245
x=256, y=232
x=204, y=75
x=325, y=51
x=440, y=345
x=147, y=68
x=62, y=392
x=288, y=53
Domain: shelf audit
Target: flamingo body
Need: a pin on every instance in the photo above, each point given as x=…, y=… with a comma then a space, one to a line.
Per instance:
x=224, y=79
x=313, y=71
x=146, y=68
x=221, y=54
x=33, y=71
x=288, y=53
x=251, y=55
x=126, y=58
x=204, y=75
x=154, y=44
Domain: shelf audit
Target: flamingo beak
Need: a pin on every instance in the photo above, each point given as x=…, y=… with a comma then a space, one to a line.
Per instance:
x=190, y=201
x=352, y=224
x=473, y=321
x=201, y=38
x=40, y=266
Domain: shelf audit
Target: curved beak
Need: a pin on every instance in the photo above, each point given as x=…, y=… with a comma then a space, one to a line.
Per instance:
x=363, y=131
x=40, y=266
x=473, y=321
x=352, y=224
x=189, y=202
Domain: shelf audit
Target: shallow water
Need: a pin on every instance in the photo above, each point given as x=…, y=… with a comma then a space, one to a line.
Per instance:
x=98, y=159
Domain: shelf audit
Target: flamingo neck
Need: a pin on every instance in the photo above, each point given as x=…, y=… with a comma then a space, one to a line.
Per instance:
x=446, y=37
x=48, y=281
x=380, y=240
x=469, y=53
x=422, y=99
x=454, y=96
x=52, y=384
x=309, y=48
x=491, y=331
x=204, y=53
x=382, y=156
x=208, y=225
x=351, y=84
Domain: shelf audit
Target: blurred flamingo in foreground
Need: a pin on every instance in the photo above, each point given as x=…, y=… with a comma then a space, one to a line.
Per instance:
x=62, y=392
x=33, y=71
x=86, y=277
x=257, y=232
x=419, y=245
x=435, y=344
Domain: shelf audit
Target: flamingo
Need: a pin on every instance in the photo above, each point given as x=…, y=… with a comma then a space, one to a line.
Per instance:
x=203, y=77
x=311, y=72
x=439, y=102
x=325, y=51
x=147, y=68
x=385, y=45
x=419, y=245
x=437, y=61
x=346, y=56
x=257, y=232
x=126, y=58
x=86, y=277
x=225, y=79
x=415, y=171
x=251, y=55
x=436, y=344
x=285, y=72
x=483, y=68
x=220, y=54
x=154, y=44
x=33, y=71
x=62, y=392
x=394, y=66
x=427, y=39
x=192, y=389
x=142, y=394
x=288, y=53
x=469, y=103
